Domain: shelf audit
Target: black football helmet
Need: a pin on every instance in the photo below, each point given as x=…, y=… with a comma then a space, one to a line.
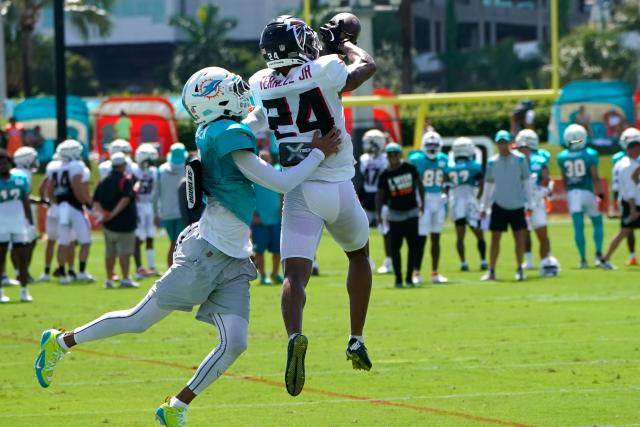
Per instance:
x=288, y=41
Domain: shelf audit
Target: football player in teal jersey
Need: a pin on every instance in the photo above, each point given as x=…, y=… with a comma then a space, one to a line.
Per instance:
x=526, y=141
x=211, y=266
x=467, y=183
x=15, y=217
x=431, y=164
x=579, y=166
x=615, y=189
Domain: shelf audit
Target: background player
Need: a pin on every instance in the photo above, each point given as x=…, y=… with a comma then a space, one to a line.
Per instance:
x=146, y=174
x=579, y=166
x=299, y=82
x=15, y=214
x=371, y=164
x=526, y=141
x=431, y=164
x=118, y=146
x=467, y=185
x=26, y=161
x=69, y=187
x=615, y=190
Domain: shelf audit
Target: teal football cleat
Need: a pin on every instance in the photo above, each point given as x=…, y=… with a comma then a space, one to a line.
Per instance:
x=294, y=372
x=171, y=416
x=357, y=353
x=50, y=354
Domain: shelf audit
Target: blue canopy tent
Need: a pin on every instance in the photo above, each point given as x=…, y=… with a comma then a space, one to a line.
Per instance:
x=607, y=105
x=41, y=112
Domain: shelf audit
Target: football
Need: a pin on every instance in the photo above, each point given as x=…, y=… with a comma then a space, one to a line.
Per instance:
x=349, y=24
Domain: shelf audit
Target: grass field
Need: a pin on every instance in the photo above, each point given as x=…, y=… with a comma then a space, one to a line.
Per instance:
x=547, y=352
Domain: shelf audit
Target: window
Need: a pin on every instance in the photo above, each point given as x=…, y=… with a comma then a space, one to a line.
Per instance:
x=422, y=34
x=467, y=35
x=438, y=37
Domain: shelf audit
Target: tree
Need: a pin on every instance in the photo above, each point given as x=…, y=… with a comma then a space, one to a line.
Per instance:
x=83, y=14
x=205, y=44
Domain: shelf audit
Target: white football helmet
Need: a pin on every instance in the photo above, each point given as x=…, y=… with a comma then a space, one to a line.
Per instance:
x=432, y=144
x=628, y=136
x=575, y=137
x=26, y=158
x=213, y=92
x=463, y=147
x=69, y=149
x=549, y=267
x=527, y=138
x=120, y=146
x=373, y=141
x=145, y=154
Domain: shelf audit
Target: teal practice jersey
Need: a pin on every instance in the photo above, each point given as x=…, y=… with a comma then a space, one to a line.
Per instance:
x=432, y=171
x=546, y=154
x=576, y=165
x=536, y=165
x=221, y=177
x=464, y=172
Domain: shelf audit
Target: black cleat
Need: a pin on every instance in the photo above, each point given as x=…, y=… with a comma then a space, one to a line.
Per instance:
x=357, y=353
x=294, y=373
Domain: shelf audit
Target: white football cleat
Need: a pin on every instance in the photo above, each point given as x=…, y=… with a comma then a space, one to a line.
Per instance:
x=24, y=295
x=128, y=283
x=438, y=278
x=66, y=279
x=386, y=267
x=417, y=278
x=85, y=277
x=44, y=278
x=3, y=297
x=6, y=281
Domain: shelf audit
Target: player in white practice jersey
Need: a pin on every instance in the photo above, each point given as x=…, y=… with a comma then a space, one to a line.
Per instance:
x=146, y=175
x=118, y=146
x=372, y=163
x=300, y=93
x=68, y=186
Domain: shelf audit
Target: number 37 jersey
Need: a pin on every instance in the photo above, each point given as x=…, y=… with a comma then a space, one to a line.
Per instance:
x=305, y=100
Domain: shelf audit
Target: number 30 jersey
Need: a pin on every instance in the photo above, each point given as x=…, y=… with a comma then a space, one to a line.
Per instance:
x=305, y=100
x=576, y=167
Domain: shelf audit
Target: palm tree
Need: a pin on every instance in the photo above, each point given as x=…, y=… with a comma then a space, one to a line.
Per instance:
x=205, y=44
x=83, y=14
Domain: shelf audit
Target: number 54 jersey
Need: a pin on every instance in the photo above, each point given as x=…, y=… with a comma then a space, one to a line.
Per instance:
x=307, y=99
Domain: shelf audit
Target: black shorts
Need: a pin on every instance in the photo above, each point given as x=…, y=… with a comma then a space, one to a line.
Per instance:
x=502, y=218
x=625, y=214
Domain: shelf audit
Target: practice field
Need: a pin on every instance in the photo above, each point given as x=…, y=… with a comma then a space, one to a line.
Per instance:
x=547, y=352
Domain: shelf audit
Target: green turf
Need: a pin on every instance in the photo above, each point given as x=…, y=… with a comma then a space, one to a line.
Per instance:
x=554, y=352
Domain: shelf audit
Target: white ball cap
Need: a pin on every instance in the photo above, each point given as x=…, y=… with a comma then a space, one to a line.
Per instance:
x=118, y=159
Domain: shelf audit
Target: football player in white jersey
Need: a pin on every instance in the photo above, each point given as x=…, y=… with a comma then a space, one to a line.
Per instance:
x=26, y=161
x=145, y=175
x=300, y=93
x=15, y=215
x=372, y=163
x=69, y=187
x=118, y=146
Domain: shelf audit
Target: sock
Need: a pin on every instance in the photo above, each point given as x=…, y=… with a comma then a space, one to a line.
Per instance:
x=83, y=266
x=61, y=342
x=528, y=256
x=387, y=261
x=598, y=232
x=360, y=338
x=62, y=271
x=47, y=270
x=482, y=248
x=177, y=403
x=151, y=258
x=578, y=234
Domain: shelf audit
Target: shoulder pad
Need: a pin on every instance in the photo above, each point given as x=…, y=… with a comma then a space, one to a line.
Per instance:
x=416, y=154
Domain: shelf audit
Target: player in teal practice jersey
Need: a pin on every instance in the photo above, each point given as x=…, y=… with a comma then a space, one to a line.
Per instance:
x=615, y=189
x=526, y=141
x=211, y=266
x=431, y=164
x=467, y=183
x=579, y=166
x=15, y=217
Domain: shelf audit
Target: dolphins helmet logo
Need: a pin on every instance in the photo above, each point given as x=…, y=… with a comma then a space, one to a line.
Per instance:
x=208, y=88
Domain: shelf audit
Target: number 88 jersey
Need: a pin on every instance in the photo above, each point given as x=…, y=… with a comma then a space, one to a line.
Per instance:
x=305, y=100
x=576, y=167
